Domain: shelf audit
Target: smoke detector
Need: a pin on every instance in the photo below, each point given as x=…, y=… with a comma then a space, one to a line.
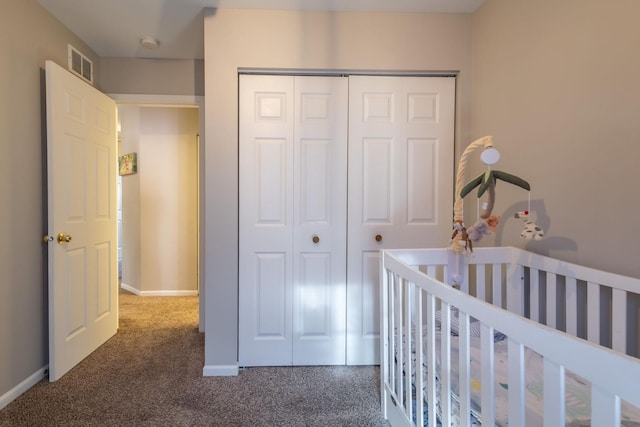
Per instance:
x=149, y=43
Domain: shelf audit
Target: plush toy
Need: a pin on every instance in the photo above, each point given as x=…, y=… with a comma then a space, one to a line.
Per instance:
x=531, y=230
x=481, y=228
x=493, y=222
x=477, y=230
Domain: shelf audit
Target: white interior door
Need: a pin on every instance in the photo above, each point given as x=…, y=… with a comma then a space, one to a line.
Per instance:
x=265, y=220
x=292, y=226
x=82, y=251
x=401, y=142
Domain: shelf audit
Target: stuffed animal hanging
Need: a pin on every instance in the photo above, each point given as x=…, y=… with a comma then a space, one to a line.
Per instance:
x=483, y=227
x=531, y=231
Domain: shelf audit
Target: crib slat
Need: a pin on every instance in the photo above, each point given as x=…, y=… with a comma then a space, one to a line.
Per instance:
x=552, y=299
x=516, y=383
x=431, y=270
x=480, y=282
x=406, y=326
x=487, y=376
x=619, y=320
x=497, y=284
x=393, y=342
x=572, y=306
x=534, y=294
x=593, y=312
x=384, y=362
x=464, y=285
x=465, y=369
x=515, y=289
x=400, y=345
x=388, y=329
x=605, y=408
x=445, y=362
x=419, y=386
x=496, y=293
x=431, y=358
x=553, y=393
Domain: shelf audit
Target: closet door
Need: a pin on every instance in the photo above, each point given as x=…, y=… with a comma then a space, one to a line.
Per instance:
x=292, y=225
x=320, y=221
x=265, y=232
x=401, y=141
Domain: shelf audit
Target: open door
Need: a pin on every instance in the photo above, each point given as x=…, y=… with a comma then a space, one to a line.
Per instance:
x=82, y=227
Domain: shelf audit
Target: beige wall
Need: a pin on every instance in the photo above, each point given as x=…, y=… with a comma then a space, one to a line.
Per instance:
x=129, y=142
x=556, y=84
x=297, y=40
x=152, y=76
x=23, y=291
x=160, y=202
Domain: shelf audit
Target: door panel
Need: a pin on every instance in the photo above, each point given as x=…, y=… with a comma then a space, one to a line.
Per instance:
x=270, y=293
x=400, y=186
x=421, y=166
x=315, y=296
x=377, y=191
x=81, y=178
x=271, y=159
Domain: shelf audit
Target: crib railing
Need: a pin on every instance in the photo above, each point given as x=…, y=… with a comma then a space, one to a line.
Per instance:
x=531, y=287
x=598, y=306
x=595, y=305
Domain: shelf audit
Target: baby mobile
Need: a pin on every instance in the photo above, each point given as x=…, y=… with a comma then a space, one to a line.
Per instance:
x=463, y=237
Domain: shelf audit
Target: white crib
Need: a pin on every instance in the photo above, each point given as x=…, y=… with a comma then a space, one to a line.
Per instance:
x=532, y=376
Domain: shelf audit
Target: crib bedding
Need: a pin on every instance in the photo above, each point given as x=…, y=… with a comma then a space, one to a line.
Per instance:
x=577, y=390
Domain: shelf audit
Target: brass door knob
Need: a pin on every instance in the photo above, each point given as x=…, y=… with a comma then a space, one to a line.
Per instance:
x=64, y=238
x=378, y=238
x=315, y=239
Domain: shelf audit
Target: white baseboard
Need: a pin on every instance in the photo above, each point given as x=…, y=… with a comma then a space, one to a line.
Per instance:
x=160, y=293
x=25, y=385
x=220, y=371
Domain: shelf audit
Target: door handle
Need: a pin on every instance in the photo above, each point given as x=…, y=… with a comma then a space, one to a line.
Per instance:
x=378, y=238
x=316, y=239
x=64, y=238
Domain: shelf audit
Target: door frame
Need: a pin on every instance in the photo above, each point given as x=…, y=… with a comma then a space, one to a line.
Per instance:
x=182, y=101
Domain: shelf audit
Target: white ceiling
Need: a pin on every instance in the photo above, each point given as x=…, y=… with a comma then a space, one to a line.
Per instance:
x=113, y=28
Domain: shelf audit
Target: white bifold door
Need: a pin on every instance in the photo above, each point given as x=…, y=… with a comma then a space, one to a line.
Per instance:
x=292, y=225
x=401, y=140
x=333, y=169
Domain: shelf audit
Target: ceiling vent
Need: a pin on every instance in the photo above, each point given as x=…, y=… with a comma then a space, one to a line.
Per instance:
x=80, y=64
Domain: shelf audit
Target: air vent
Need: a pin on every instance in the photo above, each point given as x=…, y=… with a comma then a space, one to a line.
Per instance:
x=80, y=64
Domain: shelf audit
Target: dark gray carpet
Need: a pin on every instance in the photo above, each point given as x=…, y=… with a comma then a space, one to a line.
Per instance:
x=150, y=374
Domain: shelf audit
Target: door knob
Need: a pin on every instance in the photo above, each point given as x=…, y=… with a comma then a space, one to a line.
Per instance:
x=378, y=238
x=64, y=238
x=315, y=239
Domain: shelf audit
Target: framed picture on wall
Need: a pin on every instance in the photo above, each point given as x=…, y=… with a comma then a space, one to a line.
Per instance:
x=128, y=164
